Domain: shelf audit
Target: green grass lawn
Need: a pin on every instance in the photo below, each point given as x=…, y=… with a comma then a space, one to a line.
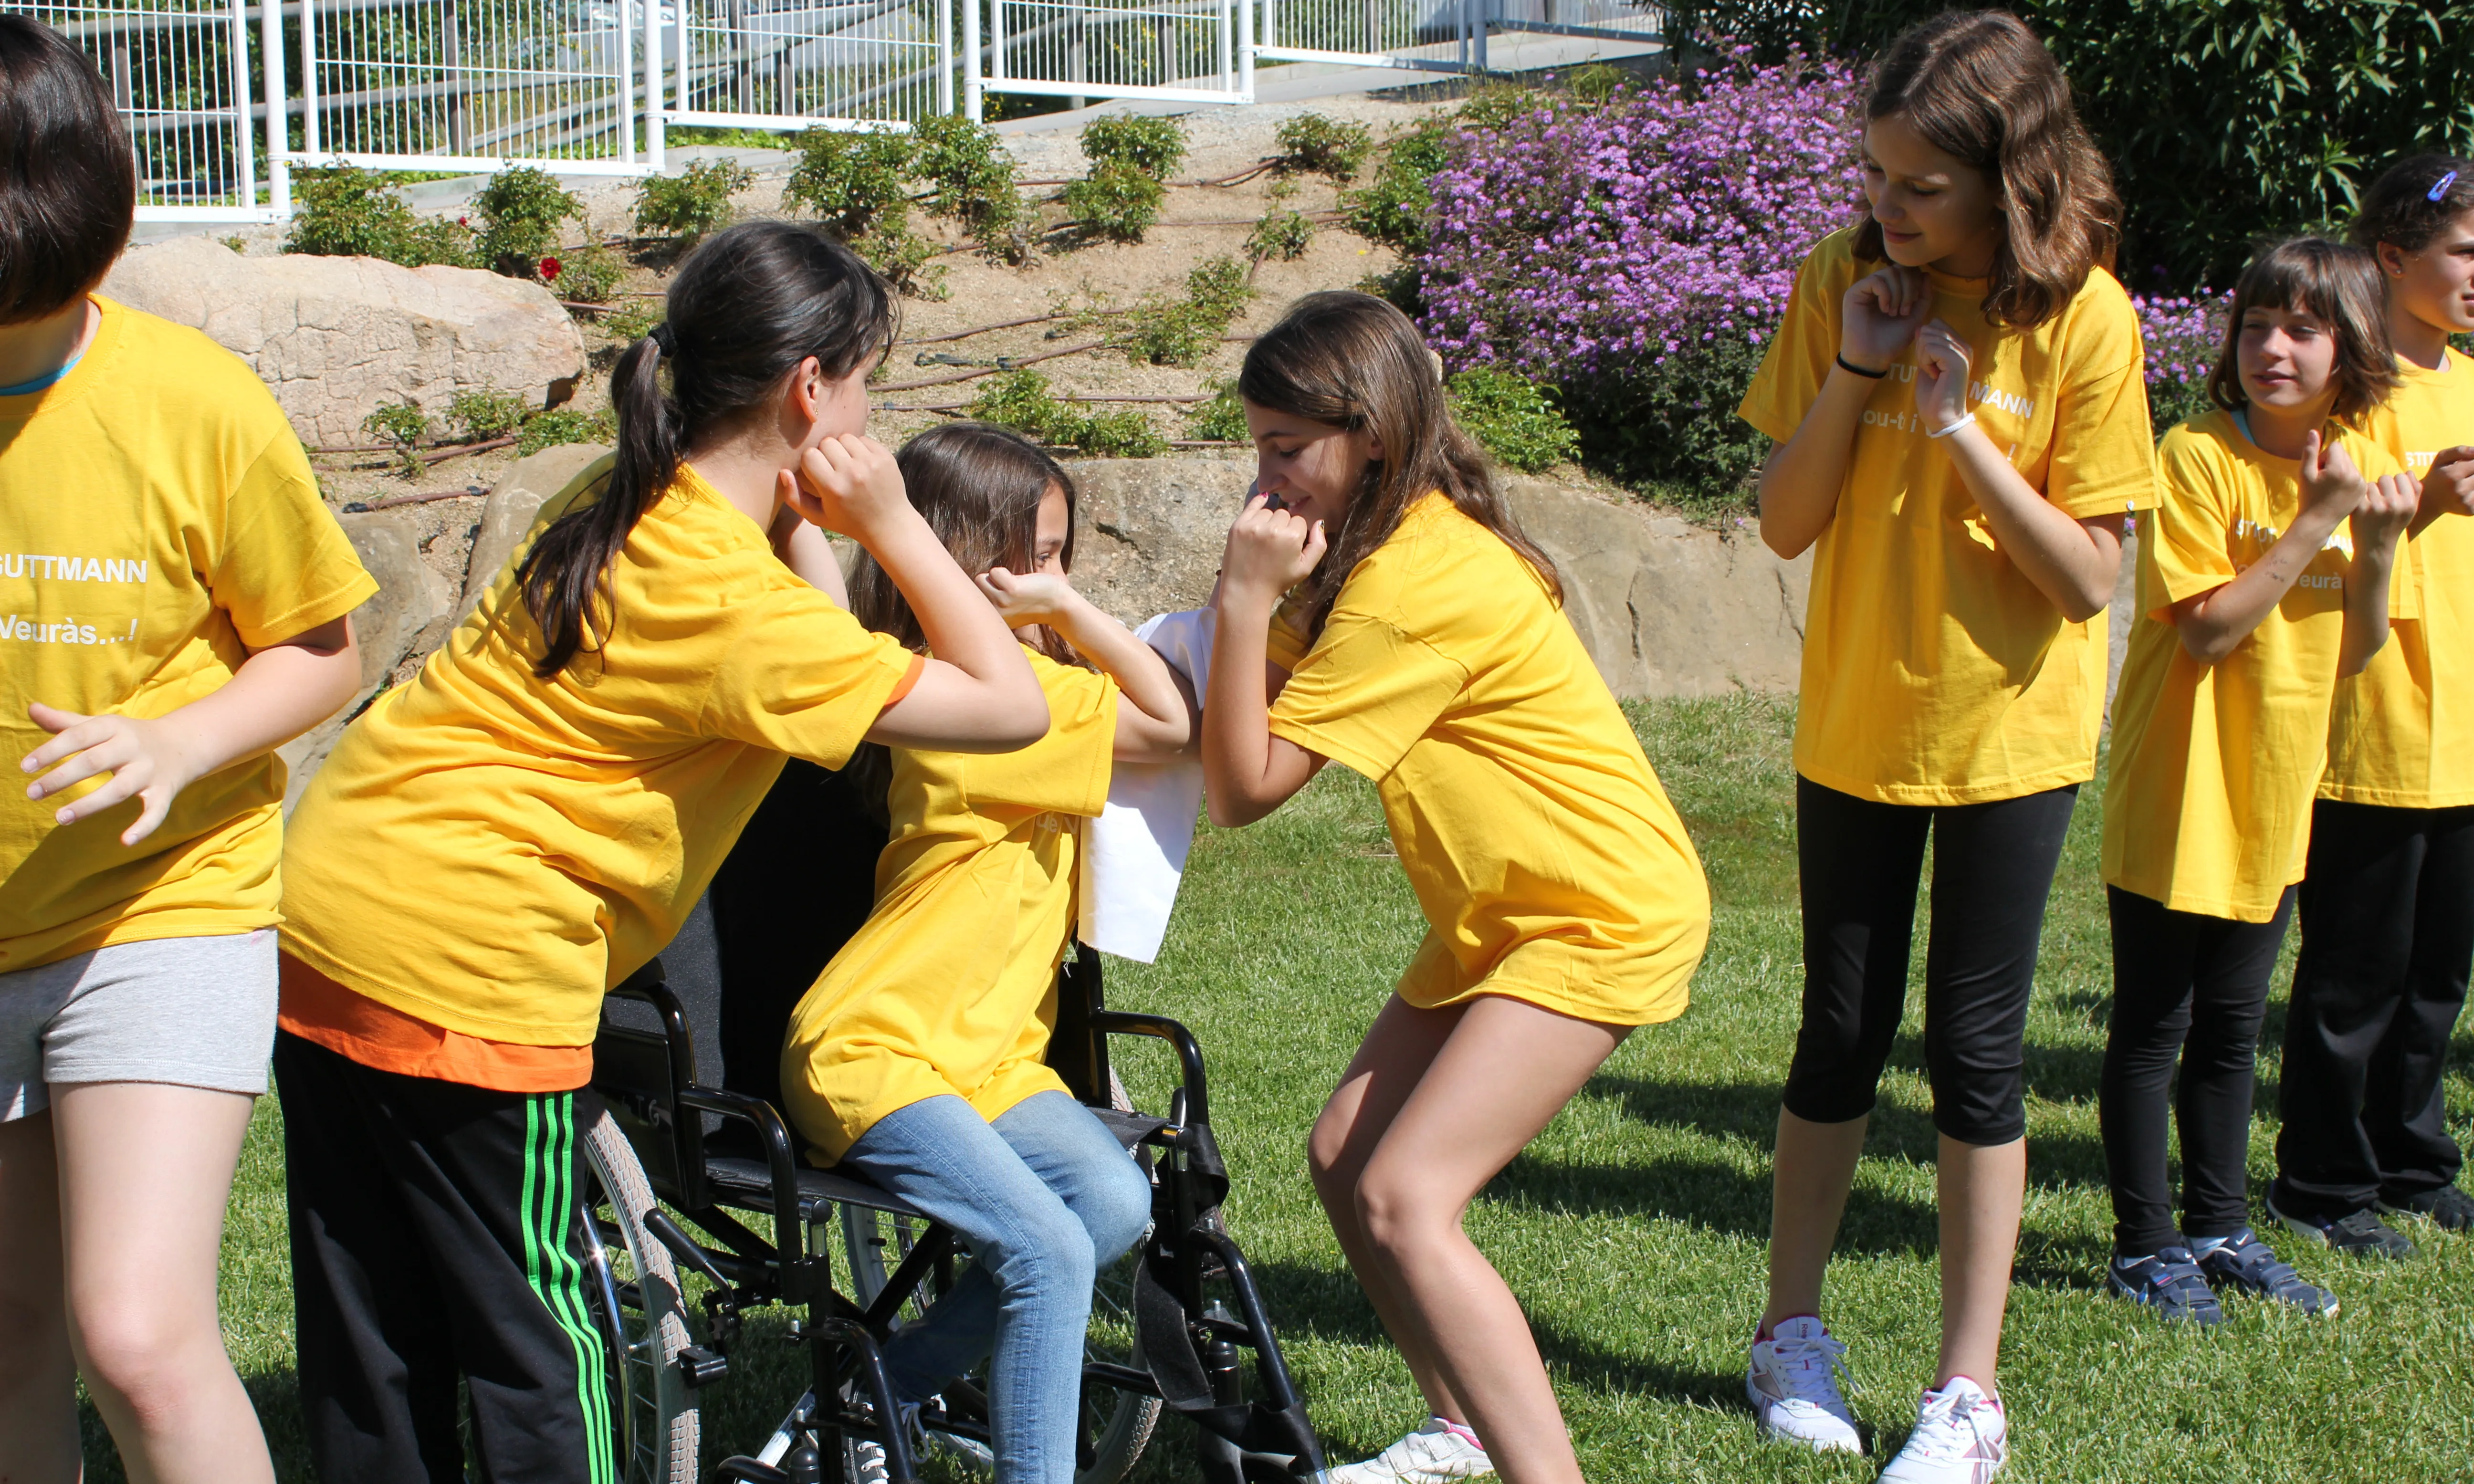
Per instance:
x=1634, y=1227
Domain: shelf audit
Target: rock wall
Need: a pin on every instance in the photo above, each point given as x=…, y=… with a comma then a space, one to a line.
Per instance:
x=1666, y=608
x=409, y=617
x=336, y=338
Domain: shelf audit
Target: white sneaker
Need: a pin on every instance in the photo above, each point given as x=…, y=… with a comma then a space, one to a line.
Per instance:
x=1961, y=1437
x=1430, y=1455
x=868, y=1464
x=1793, y=1381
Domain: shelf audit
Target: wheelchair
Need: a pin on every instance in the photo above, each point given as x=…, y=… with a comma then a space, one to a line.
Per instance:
x=688, y=1175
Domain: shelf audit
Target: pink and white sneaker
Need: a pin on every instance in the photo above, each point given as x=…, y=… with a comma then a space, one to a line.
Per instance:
x=1961, y=1437
x=1792, y=1379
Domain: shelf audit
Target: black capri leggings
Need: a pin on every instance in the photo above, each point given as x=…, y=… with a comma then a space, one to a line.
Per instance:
x=1860, y=863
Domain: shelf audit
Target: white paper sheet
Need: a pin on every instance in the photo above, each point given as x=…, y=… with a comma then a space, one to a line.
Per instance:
x=1133, y=854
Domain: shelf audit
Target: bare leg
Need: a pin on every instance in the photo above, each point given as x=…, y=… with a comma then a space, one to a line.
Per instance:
x=1981, y=1190
x=1506, y=1068
x=38, y=1427
x=1398, y=1049
x=145, y=1171
x=1810, y=1174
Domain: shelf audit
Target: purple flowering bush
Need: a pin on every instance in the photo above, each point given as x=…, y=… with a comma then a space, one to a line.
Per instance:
x=2184, y=336
x=1634, y=254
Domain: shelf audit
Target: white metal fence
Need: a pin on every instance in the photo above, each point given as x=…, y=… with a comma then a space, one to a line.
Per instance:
x=589, y=87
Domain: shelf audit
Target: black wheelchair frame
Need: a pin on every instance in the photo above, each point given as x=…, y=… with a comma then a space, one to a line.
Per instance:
x=1192, y=1344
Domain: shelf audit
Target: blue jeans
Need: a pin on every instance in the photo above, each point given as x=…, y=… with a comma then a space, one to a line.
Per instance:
x=1042, y=1198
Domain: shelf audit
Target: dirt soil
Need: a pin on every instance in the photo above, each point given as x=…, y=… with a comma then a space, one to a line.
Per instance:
x=1199, y=221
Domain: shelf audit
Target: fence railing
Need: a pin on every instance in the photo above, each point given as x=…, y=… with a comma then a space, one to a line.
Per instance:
x=225, y=98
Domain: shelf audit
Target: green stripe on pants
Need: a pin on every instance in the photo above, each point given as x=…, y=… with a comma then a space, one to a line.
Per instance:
x=551, y=1268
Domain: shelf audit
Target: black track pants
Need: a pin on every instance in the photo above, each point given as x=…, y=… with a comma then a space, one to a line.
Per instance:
x=1860, y=863
x=2191, y=989
x=435, y=1235
x=2388, y=935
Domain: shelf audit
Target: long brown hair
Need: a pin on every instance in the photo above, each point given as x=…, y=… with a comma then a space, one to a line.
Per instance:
x=1354, y=361
x=2340, y=284
x=1978, y=85
x=979, y=486
x=745, y=311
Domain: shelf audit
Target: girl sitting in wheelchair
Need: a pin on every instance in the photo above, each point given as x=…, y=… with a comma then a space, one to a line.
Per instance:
x=916, y=1058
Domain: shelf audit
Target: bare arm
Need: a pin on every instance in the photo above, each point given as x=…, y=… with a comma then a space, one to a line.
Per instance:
x=1802, y=478
x=1247, y=771
x=978, y=693
x=2389, y=505
x=278, y=693
x=804, y=549
x=1154, y=723
x=2073, y=562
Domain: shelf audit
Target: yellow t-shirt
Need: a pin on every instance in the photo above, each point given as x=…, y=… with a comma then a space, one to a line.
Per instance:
x=2207, y=806
x=950, y=987
x=488, y=852
x=2403, y=733
x=1934, y=672
x=1550, y=863
x=157, y=521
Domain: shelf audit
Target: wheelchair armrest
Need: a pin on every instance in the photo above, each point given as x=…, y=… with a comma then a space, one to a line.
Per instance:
x=780, y=1160
x=1189, y=1054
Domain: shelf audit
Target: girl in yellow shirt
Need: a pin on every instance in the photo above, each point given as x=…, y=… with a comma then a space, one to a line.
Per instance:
x=529, y=822
x=173, y=607
x=2387, y=898
x=2254, y=598
x=1962, y=425
x=917, y=1058
x=1423, y=646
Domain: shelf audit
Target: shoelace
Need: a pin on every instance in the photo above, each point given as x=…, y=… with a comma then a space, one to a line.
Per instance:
x=1941, y=1427
x=1812, y=1365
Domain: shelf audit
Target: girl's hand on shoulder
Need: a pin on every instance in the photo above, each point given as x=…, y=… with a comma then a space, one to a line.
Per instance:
x=2388, y=506
x=848, y=484
x=147, y=760
x=1027, y=598
x=1270, y=551
x=1882, y=313
x=1941, y=364
x=2331, y=487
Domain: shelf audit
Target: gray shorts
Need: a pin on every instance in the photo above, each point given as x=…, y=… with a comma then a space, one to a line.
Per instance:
x=196, y=1012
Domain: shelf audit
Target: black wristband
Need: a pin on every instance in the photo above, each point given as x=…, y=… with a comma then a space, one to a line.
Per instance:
x=1844, y=364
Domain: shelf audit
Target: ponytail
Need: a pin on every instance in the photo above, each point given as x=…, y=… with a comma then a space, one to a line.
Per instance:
x=745, y=311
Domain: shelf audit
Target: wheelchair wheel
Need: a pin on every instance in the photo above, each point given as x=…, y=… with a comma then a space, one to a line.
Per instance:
x=875, y=1242
x=632, y=1287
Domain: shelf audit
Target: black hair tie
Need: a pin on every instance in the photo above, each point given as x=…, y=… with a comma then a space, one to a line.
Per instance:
x=663, y=336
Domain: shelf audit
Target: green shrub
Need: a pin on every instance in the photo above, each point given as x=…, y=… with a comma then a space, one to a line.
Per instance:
x=1126, y=434
x=1514, y=417
x=402, y=425
x=1391, y=208
x=1181, y=330
x=633, y=320
x=1116, y=202
x=892, y=249
x=1497, y=104
x=1222, y=419
x=1311, y=144
x=344, y=211
x=974, y=182
x=2225, y=121
x=484, y=415
x=1673, y=423
x=588, y=276
x=1282, y=235
x=520, y=210
x=692, y=203
x=1150, y=146
x=1595, y=81
x=563, y=426
x=852, y=181
x=1020, y=400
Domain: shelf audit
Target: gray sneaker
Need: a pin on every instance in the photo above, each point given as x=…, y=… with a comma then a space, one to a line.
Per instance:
x=2448, y=1208
x=2356, y=1233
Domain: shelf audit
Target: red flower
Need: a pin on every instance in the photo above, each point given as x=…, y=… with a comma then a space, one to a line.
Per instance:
x=550, y=269
x=463, y=221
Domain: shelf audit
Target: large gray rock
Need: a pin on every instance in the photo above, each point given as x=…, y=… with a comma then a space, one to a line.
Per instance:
x=1666, y=608
x=336, y=338
x=408, y=617
x=509, y=512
